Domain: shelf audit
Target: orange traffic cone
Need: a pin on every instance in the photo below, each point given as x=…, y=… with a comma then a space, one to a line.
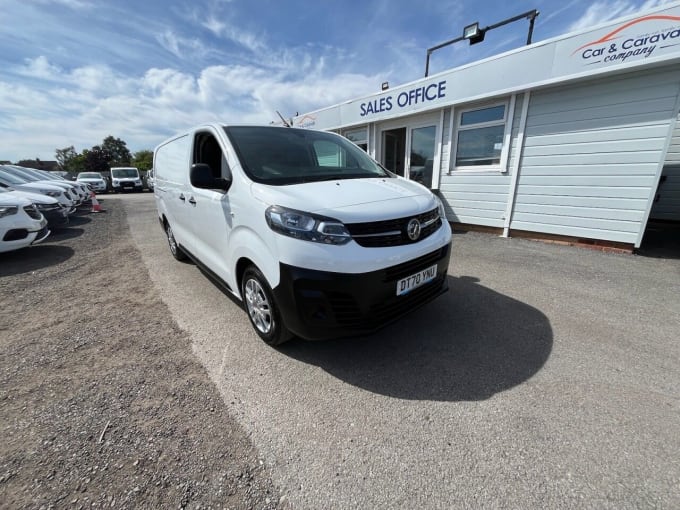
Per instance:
x=96, y=207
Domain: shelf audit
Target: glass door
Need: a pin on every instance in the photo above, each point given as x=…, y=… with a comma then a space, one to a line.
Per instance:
x=422, y=149
x=394, y=145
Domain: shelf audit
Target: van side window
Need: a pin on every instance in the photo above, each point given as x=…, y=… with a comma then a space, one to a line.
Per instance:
x=207, y=150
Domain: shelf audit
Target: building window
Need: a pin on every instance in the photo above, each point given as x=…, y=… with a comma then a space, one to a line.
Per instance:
x=480, y=136
x=359, y=137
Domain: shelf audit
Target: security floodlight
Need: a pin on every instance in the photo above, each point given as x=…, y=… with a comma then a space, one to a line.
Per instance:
x=471, y=31
x=385, y=85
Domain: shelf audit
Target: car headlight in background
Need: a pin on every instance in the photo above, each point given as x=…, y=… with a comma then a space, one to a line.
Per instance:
x=53, y=194
x=306, y=226
x=8, y=210
x=115, y=182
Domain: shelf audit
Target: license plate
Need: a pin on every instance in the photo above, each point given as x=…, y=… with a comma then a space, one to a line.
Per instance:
x=406, y=285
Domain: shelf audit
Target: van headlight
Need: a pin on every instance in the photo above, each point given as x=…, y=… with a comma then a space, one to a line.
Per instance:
x=8, y=210
x=306, y=226
x=440, y=207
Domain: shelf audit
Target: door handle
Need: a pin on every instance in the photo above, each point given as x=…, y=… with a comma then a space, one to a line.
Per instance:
x=181, y=197
x=192, y=201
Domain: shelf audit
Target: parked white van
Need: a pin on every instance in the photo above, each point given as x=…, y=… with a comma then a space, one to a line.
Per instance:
x=316, y=238
x=125, y=178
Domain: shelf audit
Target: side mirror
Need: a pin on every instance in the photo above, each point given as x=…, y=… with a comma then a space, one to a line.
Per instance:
x=201, y=176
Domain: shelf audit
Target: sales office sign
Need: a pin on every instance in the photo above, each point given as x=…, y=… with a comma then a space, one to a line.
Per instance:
x=638, y=39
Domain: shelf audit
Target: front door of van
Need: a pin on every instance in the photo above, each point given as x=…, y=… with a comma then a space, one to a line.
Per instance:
x=211, y=211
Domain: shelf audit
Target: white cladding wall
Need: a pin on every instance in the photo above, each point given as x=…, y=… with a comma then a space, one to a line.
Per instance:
x=667, y=202
x=591, y=155
x=478, y=198
x=673, y=154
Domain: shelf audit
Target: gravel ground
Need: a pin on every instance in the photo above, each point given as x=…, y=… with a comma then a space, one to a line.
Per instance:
x=102, y=402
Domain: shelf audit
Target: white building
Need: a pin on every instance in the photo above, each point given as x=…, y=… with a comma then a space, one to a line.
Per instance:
x=577, y=136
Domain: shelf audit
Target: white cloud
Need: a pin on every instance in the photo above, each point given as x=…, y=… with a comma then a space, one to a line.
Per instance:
x=39, y=68
x=214, y=25
x=217, y=19
x=82, y=106
x=250, y=41
x=602, y=11
x=182, y=47
x=72, y=4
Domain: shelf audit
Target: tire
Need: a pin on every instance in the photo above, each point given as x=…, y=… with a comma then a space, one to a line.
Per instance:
x=262, y=310
x=175, y=250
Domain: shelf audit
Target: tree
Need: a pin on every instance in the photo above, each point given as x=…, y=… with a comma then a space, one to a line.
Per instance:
x=77, y=163
x=118, y=152
x=65, y=157
x=96, y=159
x=143, y=160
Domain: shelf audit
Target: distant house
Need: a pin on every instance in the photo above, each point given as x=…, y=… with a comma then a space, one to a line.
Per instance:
x=39, y=164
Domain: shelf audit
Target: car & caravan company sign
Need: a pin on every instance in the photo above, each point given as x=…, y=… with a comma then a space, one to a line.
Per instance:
x=647, y=36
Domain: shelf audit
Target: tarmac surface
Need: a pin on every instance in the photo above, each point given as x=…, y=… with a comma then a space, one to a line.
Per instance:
x=548, y=376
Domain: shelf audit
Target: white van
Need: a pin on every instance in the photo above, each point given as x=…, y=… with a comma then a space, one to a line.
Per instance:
x=125, y=178
x=314, y=236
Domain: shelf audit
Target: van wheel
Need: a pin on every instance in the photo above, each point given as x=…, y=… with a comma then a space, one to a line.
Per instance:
x=174, y=247
x=262, y=311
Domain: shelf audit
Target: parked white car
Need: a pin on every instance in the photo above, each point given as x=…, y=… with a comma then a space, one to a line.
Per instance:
x=150, y=180
x=73, y=190
x=21, y=224
x=82, y=188
x=54, y=212
x=314, y=236
x=94, y=180
x=13, y=182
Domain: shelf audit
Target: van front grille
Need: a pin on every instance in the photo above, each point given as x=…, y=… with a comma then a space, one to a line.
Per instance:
x=393, y=232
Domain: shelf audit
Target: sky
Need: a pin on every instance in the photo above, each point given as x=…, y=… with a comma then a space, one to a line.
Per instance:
x=75, y=71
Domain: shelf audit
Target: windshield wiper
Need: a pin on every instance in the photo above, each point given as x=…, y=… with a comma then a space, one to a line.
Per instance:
x=342, y=177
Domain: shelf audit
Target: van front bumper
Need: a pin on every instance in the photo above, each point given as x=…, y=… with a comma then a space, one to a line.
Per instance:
x=319, y=305
x=127, y=186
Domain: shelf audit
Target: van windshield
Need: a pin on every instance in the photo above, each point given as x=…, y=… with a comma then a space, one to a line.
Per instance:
x=279, y=156
x=124, y=172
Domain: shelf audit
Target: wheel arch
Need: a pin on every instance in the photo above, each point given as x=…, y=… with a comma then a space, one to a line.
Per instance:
x=251, y=248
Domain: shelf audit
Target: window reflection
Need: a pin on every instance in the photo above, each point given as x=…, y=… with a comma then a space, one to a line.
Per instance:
x=422, y=154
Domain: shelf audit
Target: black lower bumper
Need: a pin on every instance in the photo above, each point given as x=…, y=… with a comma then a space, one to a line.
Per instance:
x=318, y=305
x=55, y=216
x=122, y=188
